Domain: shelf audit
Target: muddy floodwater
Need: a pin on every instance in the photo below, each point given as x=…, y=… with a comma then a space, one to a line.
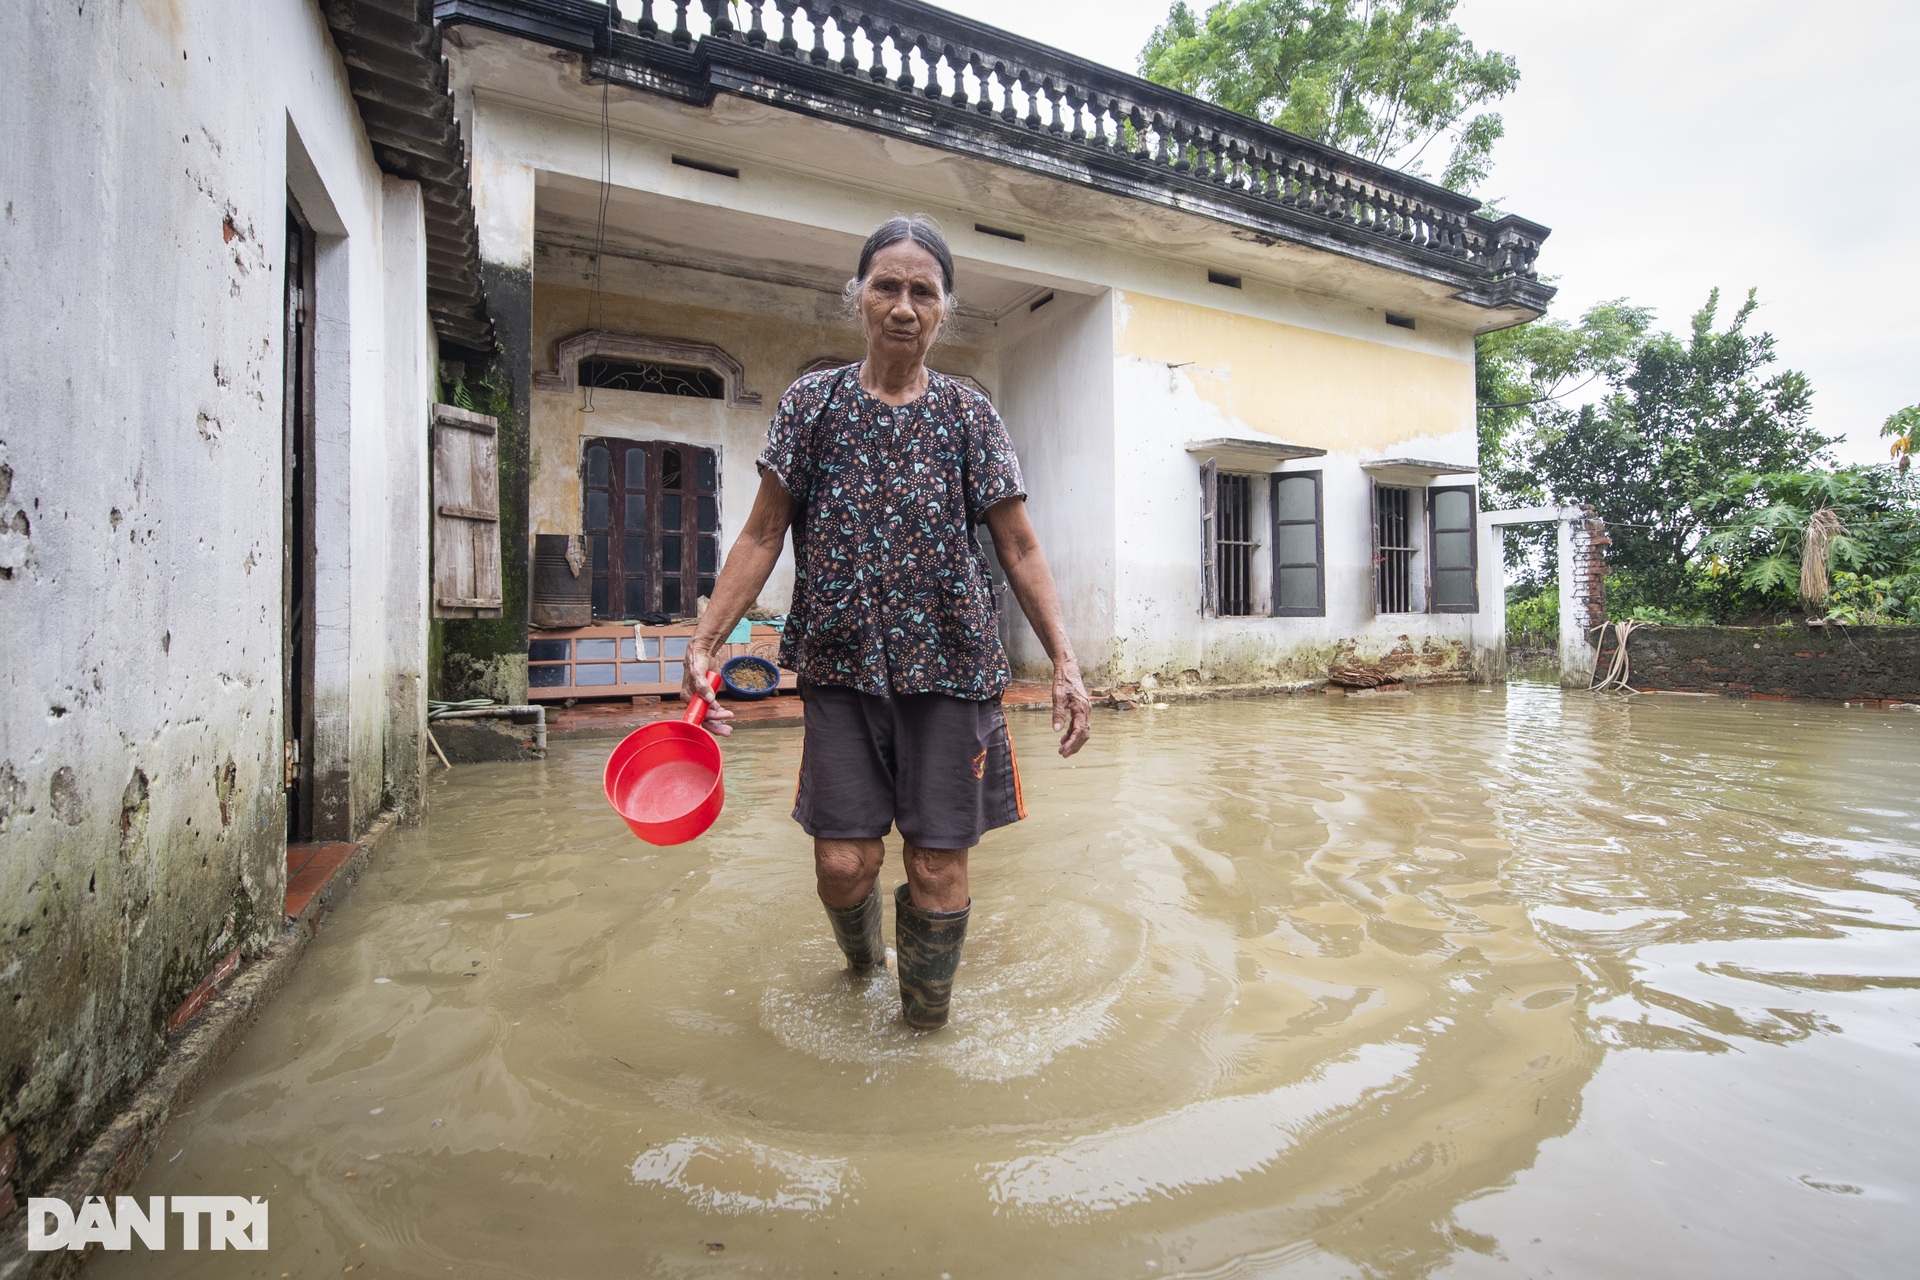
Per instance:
x=1464, y=982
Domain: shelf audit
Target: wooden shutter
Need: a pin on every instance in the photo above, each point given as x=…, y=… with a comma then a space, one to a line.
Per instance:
x=1373, y=524
x=1209, y=538
x=1453, y=553
x=466, y=519
x=1288, y=600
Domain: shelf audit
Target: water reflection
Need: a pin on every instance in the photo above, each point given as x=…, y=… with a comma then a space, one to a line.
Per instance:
x=1387, y=986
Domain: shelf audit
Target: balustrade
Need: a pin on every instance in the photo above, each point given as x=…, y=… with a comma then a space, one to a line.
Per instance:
x=937, y=58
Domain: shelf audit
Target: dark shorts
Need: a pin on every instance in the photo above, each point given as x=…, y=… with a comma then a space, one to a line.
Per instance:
x=939, y=768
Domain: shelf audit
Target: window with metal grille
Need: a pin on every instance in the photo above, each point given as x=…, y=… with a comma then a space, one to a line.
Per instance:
x=1393, y=549
x=651, y=512
x=1299, y=562
x=652, y=376
x=1454, y=562
x=1234, y=544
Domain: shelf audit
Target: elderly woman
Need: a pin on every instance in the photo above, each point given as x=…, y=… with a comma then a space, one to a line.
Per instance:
x=883, y=469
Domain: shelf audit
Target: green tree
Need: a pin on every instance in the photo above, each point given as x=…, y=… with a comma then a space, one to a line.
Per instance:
x=1525, y=374
x=1903, y=427
x=1385, y=79
x=1656, y=454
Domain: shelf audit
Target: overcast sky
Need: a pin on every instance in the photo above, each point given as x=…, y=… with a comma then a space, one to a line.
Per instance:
x=1675, y=145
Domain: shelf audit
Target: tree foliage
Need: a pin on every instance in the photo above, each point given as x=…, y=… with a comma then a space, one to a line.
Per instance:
x=1394, y=81
x=1903, y=427
x=1657, y=452
x=1525, y=374
x=1761, y=546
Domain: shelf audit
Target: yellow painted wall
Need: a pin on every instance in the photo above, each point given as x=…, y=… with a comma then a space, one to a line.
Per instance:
x=1300, y=385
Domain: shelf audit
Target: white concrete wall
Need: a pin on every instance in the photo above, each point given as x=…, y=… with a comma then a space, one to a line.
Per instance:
x=1294, y=370
x=1058, y=404
x=408, y=357
x=1490, y=623
x=144, y=165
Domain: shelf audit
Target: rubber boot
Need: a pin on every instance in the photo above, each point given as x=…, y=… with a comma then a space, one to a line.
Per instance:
x=928, y=945
x=857, y=930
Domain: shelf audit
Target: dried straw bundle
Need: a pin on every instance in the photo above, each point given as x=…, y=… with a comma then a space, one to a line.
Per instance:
x=1822, y=528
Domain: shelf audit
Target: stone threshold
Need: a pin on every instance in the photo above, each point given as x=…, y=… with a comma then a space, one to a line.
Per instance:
x=202, y=1032
x=312, y=873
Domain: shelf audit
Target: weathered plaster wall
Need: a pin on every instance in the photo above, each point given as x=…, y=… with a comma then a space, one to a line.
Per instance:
x=1297, y=382
x=145, y=155
x=774, y=330
x=409, y=357
x=1296, y=370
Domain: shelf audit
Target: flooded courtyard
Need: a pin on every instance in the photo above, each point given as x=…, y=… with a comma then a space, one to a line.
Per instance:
x=1465, y=982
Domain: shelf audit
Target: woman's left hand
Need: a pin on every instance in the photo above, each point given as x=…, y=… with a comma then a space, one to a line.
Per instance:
x=1072, y=708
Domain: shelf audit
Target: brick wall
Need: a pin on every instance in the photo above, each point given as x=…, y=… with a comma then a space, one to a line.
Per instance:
x=1851, y=663
x=1590, y=543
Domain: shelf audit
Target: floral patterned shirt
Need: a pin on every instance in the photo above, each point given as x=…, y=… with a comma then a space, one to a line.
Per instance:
x=890, y=586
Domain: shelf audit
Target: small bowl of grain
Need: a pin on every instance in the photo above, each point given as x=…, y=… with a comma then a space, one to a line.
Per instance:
x=749, y=677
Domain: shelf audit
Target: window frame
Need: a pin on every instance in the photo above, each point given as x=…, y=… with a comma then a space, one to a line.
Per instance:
x=653, y=573
x=1209, y=525
x=1472, y=530
x=1415, y=518
x=1233, y=556
x=1319, y=522
x=604, y=372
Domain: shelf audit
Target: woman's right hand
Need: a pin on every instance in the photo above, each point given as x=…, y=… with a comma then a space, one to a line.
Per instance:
x=695, y=684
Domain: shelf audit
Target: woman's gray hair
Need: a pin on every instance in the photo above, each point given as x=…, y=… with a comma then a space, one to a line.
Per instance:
x=917, y=228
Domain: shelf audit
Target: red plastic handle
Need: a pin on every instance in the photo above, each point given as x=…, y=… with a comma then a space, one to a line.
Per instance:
x=697, y=710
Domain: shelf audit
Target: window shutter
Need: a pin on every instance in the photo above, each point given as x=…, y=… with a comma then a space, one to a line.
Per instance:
x=1373, y=525
x=466, y=520
x=1299, y=545
x=1452, y=554
x=1209, y=538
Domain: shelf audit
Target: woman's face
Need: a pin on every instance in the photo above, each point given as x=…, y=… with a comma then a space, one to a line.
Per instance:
x=902, y=303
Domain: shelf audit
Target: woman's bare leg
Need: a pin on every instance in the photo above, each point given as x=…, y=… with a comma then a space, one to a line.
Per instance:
x=846, y=870
x=937, y=878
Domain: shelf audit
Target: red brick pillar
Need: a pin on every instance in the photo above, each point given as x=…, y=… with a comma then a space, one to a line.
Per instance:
x=1590, y=543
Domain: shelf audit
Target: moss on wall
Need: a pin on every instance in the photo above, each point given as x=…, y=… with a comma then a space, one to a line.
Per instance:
x=473, y=648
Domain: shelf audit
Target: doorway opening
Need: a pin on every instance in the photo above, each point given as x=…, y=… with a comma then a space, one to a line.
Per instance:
x=296, y=580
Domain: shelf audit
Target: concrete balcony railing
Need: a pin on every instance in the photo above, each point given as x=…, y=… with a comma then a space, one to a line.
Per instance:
x=922, y=73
